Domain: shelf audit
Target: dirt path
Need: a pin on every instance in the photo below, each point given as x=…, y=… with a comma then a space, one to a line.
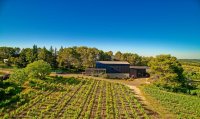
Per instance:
x=134, y=85
x=138, y=94
x=6, y=71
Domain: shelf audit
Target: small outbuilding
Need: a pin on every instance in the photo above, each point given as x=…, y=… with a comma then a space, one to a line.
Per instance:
x=138, y=71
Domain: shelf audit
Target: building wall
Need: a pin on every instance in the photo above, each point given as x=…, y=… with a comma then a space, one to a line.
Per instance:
x=133, y=73
x=118, y=75
x=114, y=68
x=137, y=73
x=141, y=73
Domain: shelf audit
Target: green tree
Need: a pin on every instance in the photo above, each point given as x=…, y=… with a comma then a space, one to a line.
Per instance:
x=38, y=69
x=54, y=63
x=166, y=70
x=82, y=51
x=61, y=49
x=88, y=56
x=118, y=56
x=108, y=56
x=92, y=56
x=7, y=52
x=28, y=55
x=13, y=60
x=145, y=60
x=51, y=50
x=22, y=60
x=45, y=55
x=34, y=53
x=133, y=59
x=68, y=57
x=48, y=56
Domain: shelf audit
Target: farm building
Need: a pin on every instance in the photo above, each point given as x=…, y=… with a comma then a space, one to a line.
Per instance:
x=117, y=69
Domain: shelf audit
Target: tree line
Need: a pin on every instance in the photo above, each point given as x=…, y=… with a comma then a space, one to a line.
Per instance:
x=66, y=58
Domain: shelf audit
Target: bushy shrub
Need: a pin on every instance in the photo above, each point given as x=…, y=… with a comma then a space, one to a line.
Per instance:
x=42, y=84
x=19, y=76
x=195, y=92
x=58, y=77
x=6, y=116
x=38, y=69
x=10, y=91
x=36, y=83
x=2, y=93
x=1, y=83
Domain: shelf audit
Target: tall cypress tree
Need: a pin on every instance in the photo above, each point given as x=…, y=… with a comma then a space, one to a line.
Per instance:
x=35, y=53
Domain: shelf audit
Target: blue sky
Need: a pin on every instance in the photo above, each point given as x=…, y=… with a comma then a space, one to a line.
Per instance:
x=146, y=27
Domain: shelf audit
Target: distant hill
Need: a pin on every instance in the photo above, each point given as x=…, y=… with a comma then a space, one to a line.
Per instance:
x=190, y=60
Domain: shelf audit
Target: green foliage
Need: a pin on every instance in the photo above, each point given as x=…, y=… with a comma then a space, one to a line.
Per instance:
x=88, y=56
x=7, y=52
x=19, y=76
x=118, y=56
x=183, y=106
x=10, y=90
x=8, y=93
x=38, y=69
x=2, y=93
x=145, y=61
x=38, y=84
x=166, y=70
x=190, y=62
x=106, y=56
x=192, y=72
x=59, y=97
x=47, y=56
x=52, y=83
x=34, y=53
x=68, y=57
x=133, y=59
x=196, y=92
x=24, y=58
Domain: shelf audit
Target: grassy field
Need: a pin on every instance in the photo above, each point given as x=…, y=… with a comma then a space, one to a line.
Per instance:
x=75, y=98
x=179, y=105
